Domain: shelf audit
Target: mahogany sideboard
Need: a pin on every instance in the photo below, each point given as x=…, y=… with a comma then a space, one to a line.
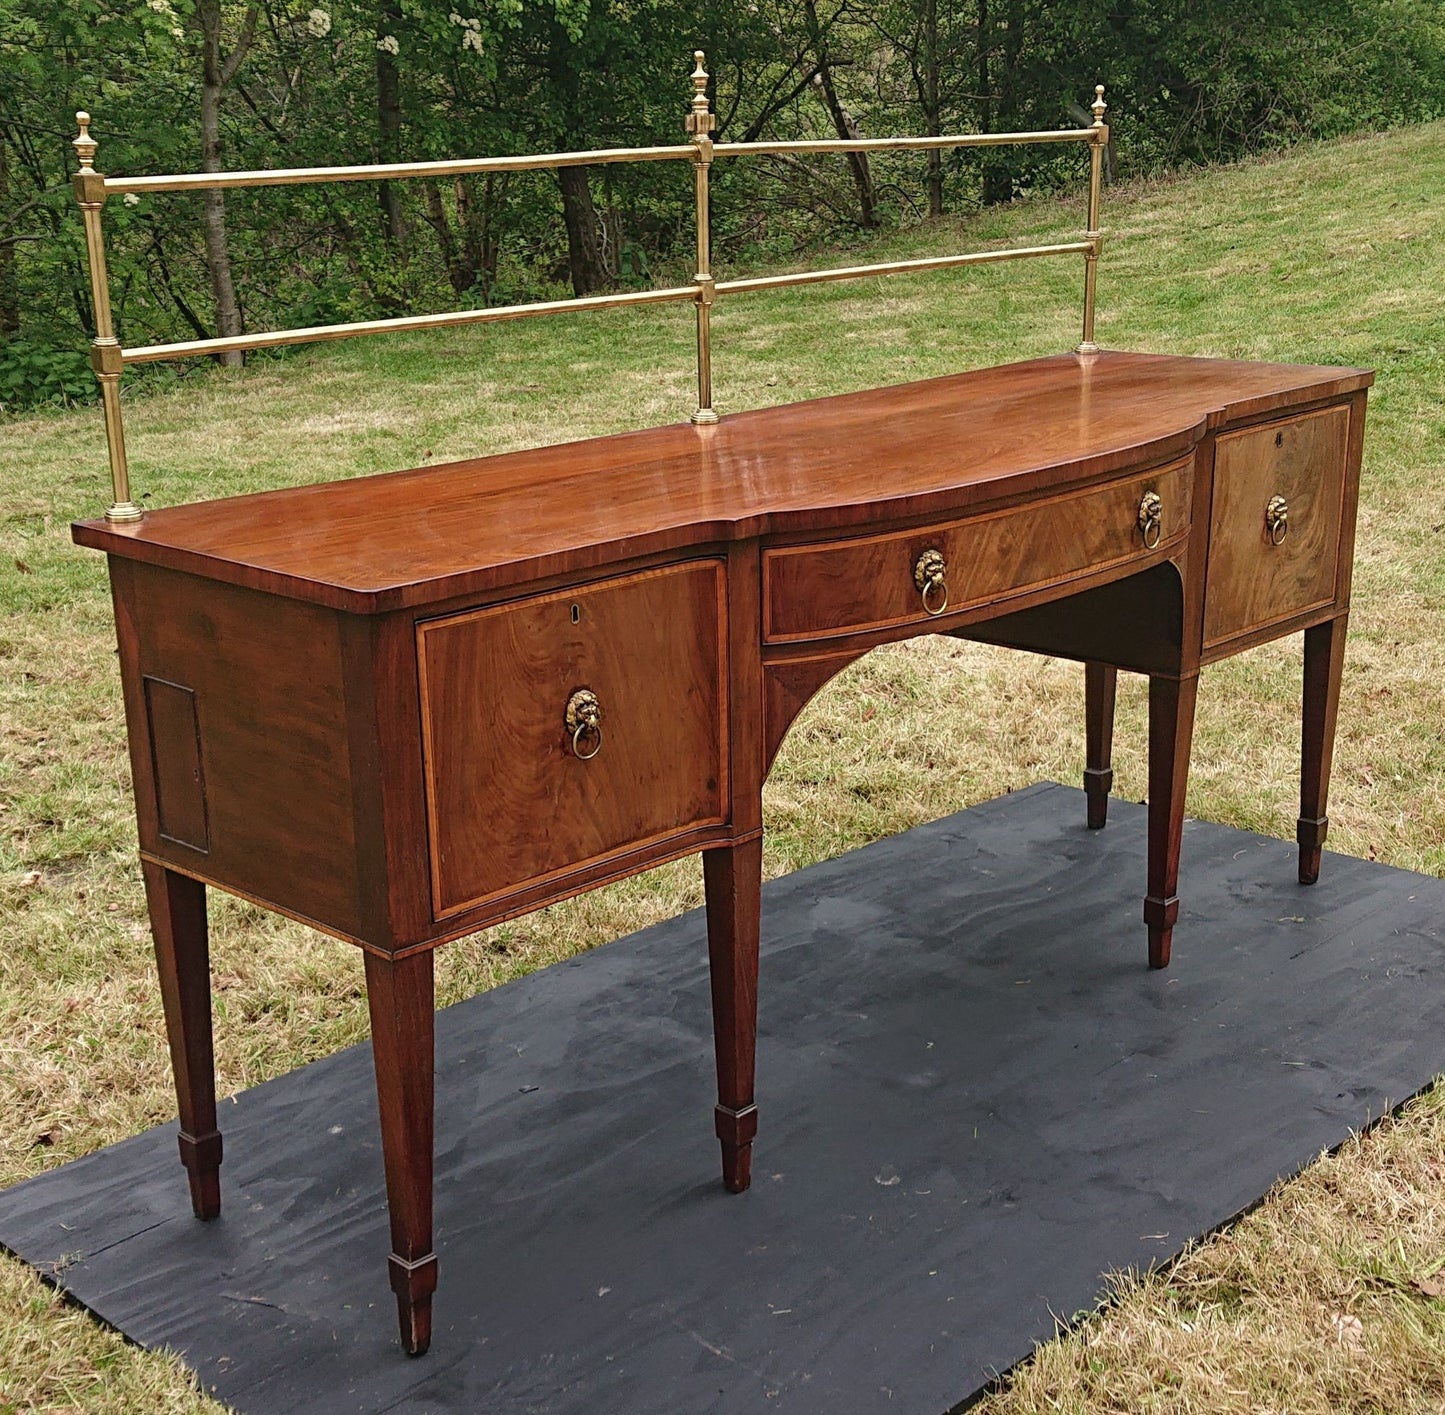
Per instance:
x=404, y=707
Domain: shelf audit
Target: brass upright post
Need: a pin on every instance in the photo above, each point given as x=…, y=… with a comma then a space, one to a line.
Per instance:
x=700, y=124
x=105, y=356
x=1098, y=140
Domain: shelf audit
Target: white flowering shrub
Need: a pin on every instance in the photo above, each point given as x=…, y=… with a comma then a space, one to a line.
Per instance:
x=471, y=31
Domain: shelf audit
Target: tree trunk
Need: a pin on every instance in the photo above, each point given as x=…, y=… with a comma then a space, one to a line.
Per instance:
x=776, y=101
x=584, y=251
x=998, y=183
x=388, y=120
x=9, y=295
x=460, y=274
x=479, y=234
x=985, y=104
x=843, y=122
x=932, y=106
x=216, y=73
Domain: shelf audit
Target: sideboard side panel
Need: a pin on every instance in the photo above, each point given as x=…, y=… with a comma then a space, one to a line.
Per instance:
x=269, y=749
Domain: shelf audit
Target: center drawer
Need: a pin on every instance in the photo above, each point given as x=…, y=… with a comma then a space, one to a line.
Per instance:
x=825, y=589
x=564, y=728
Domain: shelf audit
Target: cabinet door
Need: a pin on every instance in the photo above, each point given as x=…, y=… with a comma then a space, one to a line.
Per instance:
x=516, y=793
x=1260, y=572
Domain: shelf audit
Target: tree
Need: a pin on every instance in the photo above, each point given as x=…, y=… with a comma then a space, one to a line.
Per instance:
x=388, y=116
x=216, y=73
x=936, y=43
x=843, y=122
x=9, y=293
x=288, y=83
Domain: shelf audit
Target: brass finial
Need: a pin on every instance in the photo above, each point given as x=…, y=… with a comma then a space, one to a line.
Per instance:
x=1098, y=105
x=85, y=145
x=700, y=122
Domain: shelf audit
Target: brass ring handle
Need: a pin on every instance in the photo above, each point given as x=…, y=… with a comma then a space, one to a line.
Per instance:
x=1151, y=519
x=930, y=575
x=1276, y=519
x=584, y=722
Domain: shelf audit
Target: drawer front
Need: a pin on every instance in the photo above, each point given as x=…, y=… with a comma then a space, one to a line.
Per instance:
x=515, y=791
x=827, y=589
x=1253, y=581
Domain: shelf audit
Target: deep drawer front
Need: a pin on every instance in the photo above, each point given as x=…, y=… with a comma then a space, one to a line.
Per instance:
x=1252, y=581
x=827, y=589
x=510, y=798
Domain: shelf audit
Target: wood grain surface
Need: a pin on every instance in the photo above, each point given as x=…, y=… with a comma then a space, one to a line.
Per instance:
x=509, y=801
x=249, y=758
x=175, y=738
x=179, y=930
x=824, y=589
x=1251, y=581
x=946, y=444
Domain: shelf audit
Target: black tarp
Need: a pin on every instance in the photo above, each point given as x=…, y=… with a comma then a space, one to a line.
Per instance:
x=975, y=1099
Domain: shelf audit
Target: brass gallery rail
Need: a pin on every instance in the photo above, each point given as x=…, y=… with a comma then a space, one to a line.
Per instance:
x=109, y=359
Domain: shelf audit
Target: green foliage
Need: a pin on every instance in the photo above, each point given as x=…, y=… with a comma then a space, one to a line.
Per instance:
x=32, y=375
x=1189, y=81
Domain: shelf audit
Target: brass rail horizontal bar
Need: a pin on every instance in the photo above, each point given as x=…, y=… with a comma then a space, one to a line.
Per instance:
x=385, y=171
x=898, y=267
x=275, y=339
x=742, y=149
x=195, y=347
x=546, y=161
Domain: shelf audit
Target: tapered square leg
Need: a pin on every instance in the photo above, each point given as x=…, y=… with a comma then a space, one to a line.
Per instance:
x=732, y=879
x=1171, y=728
x=400, y=995
x=177, y=906
x=1324, y=666
x=1100, y=680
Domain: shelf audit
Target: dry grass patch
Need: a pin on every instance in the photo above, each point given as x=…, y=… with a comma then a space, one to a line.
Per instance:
x=1328, y=1298
x=55, y=1357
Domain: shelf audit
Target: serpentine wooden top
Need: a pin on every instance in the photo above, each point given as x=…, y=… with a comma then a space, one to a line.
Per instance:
x=378, y=543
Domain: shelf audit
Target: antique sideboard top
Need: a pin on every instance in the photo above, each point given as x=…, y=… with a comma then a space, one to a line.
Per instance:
x=377, y=543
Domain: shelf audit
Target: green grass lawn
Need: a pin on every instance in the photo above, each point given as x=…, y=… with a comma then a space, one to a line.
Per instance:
x=1321, y=1300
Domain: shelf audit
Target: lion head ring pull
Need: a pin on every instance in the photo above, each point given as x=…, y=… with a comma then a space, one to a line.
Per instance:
x=930, y=574
x=1151, y=519
x=1276, y=519
x=584, y=722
